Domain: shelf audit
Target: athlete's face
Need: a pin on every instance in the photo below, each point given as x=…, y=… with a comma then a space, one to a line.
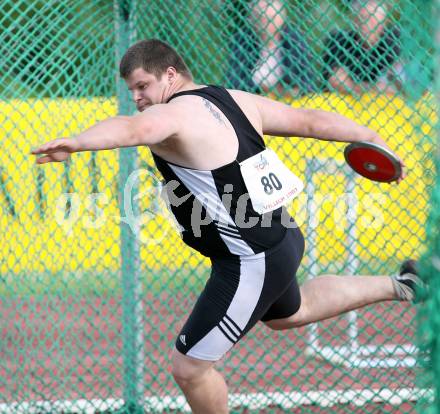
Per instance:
x=146, y=89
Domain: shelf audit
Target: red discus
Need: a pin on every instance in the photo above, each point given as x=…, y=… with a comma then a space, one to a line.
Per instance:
x=373, y=161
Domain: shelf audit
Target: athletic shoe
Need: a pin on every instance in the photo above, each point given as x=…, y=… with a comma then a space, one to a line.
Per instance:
x=406, y=282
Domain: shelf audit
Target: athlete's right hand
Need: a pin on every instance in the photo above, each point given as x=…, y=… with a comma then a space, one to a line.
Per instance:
x=57, y=150
x=383, y=144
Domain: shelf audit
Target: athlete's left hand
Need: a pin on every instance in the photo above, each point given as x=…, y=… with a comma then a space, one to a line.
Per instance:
x=58, y=150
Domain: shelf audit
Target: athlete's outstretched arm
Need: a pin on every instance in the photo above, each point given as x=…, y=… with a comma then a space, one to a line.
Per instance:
x=279, y=119
x=152, y=126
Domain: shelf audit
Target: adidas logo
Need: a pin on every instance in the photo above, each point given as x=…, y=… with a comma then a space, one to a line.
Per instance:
x=182, y=339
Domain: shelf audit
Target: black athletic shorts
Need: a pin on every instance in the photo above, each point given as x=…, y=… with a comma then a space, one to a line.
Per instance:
x=241, y=291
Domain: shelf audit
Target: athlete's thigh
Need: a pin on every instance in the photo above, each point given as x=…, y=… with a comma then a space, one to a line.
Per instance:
x=232, y=301
x=204, y=335
x=289, y=256
x=286, y=305
x=239, y=293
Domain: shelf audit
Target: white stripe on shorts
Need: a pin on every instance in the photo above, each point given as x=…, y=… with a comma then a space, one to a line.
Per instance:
x=214, y=345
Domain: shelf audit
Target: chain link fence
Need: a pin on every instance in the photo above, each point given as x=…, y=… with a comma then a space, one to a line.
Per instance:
x=94, y=280
x=428, y=313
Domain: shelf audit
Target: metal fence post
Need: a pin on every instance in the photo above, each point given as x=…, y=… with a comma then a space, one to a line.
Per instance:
x=132, y=328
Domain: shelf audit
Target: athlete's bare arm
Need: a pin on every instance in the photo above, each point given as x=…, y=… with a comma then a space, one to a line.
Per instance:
x=150, y=127
x=279, y=119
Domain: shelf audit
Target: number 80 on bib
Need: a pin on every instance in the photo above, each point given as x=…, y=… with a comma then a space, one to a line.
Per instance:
x=269, y=182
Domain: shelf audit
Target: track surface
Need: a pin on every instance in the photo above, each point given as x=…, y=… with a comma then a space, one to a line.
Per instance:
x=70, y=348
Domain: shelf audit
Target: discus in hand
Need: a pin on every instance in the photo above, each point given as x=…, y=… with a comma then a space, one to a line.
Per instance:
x=373, y=161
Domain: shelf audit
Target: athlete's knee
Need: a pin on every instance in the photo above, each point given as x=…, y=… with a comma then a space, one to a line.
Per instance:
x=187, y=370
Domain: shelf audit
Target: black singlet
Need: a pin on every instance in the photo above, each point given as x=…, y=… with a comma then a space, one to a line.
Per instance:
x=209, y=193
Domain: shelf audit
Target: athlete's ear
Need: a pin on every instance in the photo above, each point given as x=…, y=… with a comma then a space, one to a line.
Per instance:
x=171, y=74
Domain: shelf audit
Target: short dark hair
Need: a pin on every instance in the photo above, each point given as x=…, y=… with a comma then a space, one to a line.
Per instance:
x=154, y=56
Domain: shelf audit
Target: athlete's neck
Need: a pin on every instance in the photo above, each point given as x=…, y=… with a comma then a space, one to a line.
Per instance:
x=181, y=84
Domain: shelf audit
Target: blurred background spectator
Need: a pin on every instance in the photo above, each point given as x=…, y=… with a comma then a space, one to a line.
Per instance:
x=269, y=55
x=365, y=58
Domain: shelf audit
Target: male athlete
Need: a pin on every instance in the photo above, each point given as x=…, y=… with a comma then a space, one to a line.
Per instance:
x=201, y=137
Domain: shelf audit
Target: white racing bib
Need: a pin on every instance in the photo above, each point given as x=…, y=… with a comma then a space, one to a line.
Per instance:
x=269, y=182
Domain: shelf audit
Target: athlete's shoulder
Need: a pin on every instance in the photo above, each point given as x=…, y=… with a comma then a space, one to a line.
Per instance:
x=249, y=97
x=248, y=103
x=240, y=93
x=243, y=98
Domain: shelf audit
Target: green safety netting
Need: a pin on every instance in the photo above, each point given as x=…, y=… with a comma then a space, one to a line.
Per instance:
x=94, y=279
